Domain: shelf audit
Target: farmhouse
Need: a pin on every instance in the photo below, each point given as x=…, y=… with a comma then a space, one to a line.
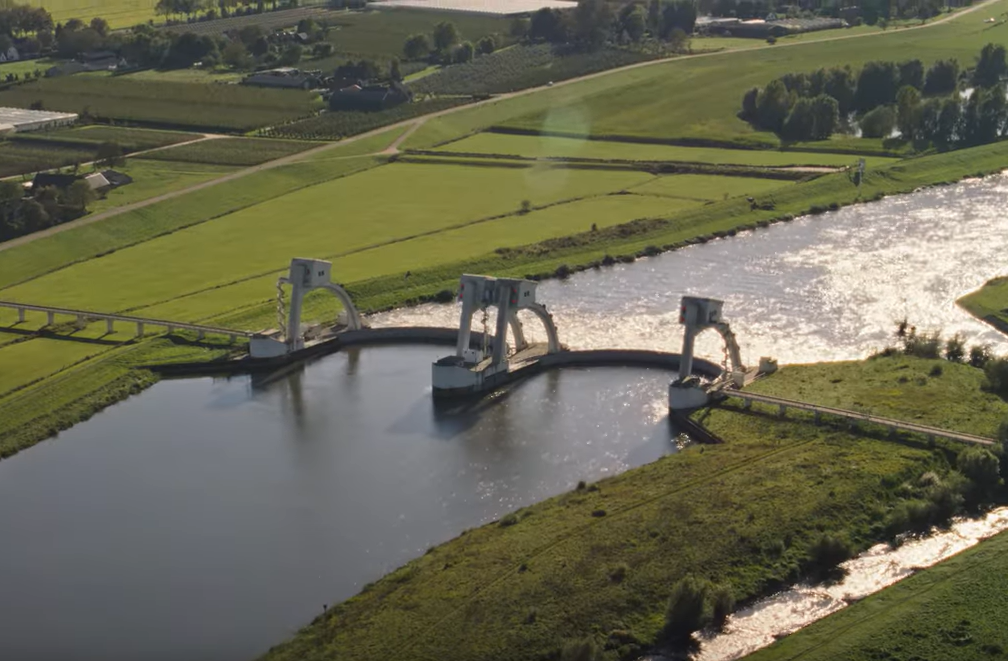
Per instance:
x=100, y=182
x=369, y=97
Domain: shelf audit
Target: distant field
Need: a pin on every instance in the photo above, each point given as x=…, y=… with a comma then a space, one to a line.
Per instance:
x=119, y=13
x=26, y=66
x=168, y=104
x=526, y=145
x=699, y=97
x=27, y=158
x=336, y=125
x=153, y=178
x=231, y=151
x=952, y=611
x=270, y=20
x=35, y=358
x=89, y=137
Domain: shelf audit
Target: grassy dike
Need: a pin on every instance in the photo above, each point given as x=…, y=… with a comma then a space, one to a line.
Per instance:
x=951, y=612
x=600, y=561
x=989, y=303
x=42, y=409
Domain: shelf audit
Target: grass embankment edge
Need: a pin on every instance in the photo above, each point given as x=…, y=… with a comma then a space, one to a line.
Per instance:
x=989, y=304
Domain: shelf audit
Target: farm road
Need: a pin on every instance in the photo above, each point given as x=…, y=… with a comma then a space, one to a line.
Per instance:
x=414, y=124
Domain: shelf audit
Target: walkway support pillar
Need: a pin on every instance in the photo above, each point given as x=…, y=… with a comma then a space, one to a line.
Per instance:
x=140, y=329
x=50, y=318
x=109, y=326
x=20, y=315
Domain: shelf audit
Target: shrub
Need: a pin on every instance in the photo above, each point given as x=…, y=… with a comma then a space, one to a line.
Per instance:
x=936, y=370
x=508, y=520
x=982, y=468
x=996, y=371
x=922, y=345
x=914, y=516
x=955, y=349
x=585, y=649
x=562, y=272
x=688, y=609
x=827, y=553
x=618, y=573
x=878, y=123
x=980, y=355
x=724, y=604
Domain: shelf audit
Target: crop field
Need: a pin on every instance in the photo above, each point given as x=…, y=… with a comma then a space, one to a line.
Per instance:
x=231, y=151
x=950, y=612
x=18, y=157
x=166, y=104
x=336, y=125
x=119, y=13
x=89, y=137
x=546, y=146
x=519, y=67
x=698, y=97
x=153, y=178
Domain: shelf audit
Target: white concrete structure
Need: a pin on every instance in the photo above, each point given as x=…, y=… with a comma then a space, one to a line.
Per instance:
x=472, y=370
x=305, y=275
x=34, y=120
x=697, y=315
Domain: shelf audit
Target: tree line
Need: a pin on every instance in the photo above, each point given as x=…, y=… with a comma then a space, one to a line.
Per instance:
x=445, y=45
x=925, y=104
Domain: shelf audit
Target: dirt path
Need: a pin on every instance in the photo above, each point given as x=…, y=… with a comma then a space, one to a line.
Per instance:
x=416, y=123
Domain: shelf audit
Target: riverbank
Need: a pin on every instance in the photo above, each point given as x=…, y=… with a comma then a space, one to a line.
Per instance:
x=749, y=515
x=41, y=408
x=989, y=303
x=950, y=611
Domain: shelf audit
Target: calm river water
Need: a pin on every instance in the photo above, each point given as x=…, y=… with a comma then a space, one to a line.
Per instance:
x=209, y=519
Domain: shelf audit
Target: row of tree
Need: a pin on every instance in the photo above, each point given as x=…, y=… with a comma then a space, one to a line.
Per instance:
x=593, y=23
x=786, y=104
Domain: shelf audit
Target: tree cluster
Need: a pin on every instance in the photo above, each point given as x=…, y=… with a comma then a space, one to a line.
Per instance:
x=922, y=102
x=21, y=214
x=593, y=23
x=446, y=46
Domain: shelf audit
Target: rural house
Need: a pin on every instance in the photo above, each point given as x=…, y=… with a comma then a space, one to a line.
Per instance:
x=369, y=97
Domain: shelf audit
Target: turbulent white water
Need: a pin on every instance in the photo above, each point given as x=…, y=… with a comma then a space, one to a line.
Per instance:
x=828, y=287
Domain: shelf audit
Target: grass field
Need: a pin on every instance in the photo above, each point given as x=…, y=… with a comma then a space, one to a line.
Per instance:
x=119, y=13
x=153, y=178
x=165, y=104
x=544, y=146
x=989, y=303
x=231, y=151
x=742, y=514
x=22, y=67
x=950, y=612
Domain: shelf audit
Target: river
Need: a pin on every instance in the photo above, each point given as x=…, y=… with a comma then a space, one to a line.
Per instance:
x=211, y=518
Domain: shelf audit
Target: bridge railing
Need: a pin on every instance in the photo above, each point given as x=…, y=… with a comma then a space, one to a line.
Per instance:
x=111, y=319
x=854, y=416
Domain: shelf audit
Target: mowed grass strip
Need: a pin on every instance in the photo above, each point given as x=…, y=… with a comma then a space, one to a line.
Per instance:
x=168, y=104
x=707, y=187
x=389, y=203
x=561, y=147
x=601, y=562
x=32, y=359
x=950, y=612
x=50, y=253
x=231, y=151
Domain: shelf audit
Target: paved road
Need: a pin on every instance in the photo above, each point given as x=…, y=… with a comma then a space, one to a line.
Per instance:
x=415, y=123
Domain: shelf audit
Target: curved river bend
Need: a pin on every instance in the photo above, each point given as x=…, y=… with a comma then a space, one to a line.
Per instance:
x=211, y=519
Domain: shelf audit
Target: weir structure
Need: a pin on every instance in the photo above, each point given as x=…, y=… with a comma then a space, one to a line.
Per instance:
x=697, y=315
x=305, y=275
x=472, y=370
